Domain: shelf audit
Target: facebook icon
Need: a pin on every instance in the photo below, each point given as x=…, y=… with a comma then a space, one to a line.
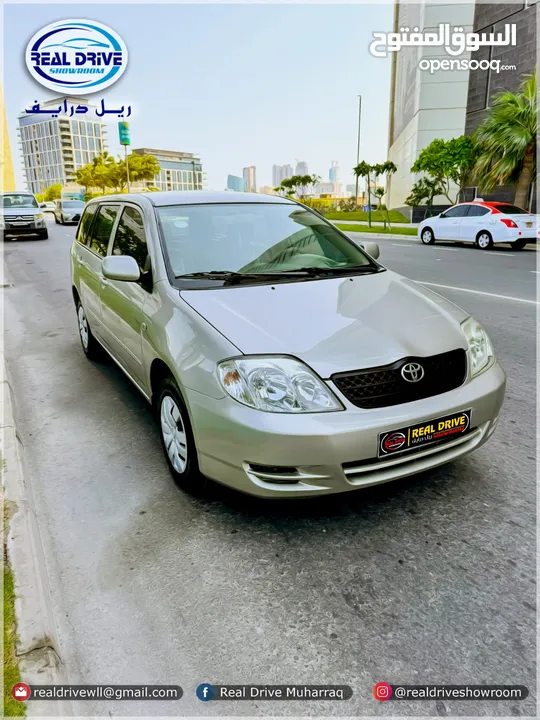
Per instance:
x=205, y=692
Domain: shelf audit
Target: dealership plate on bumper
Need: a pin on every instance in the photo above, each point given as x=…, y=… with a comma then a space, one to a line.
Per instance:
x=423, y=434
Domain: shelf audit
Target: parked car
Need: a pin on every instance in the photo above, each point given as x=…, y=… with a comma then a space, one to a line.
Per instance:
x=484, y=223
x=47, y=206
x=20, y=214
x=68, y=211
x=281, y=359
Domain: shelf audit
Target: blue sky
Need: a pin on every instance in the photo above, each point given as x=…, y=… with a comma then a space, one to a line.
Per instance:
x=238, y=84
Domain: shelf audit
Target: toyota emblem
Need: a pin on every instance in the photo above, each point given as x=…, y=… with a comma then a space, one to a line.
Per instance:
x=412, y=372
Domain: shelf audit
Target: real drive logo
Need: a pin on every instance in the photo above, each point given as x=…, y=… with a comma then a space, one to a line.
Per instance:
x=76, y=57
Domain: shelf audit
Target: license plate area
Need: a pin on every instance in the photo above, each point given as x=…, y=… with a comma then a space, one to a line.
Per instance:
x=18, y=223
x=424, y=434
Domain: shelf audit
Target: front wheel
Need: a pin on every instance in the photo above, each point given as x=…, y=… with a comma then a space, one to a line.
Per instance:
x=484, y=240
x=518, y=244
x=177, y=438
x=91, y=348
x=44, y=235
x=427, y=236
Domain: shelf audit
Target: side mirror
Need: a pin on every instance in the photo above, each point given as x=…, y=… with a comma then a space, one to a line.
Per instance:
x=42, y=205
x=371, y=248
x=121, y=267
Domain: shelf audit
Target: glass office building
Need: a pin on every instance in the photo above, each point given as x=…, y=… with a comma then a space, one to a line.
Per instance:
x=235, y=183
x=54, y=148
x=179, y=170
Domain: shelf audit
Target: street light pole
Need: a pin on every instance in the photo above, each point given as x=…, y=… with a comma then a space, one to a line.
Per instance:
x=358, y=143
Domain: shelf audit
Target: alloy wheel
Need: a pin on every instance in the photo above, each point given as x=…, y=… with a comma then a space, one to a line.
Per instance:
x=83, y=327
x=174, y=433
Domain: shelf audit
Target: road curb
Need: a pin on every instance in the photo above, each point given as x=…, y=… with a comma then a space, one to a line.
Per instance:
x=37, y=648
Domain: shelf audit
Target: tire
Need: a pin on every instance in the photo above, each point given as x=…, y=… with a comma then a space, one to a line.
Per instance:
x=55, y=220
x=91, y=348
x=44, y=235
x=518, y=244
x=177, y=438
x=484, y=241
x=427, y=236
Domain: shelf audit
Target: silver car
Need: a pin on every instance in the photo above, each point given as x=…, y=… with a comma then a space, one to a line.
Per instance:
x=281, y=359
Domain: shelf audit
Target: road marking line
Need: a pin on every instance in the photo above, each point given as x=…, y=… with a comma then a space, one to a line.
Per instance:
x=535, y=271
x=479, y=292
x=494, y=252
x=449, y=249
x=401, y=245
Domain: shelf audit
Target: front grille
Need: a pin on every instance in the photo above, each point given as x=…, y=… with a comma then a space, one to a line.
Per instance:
x=385, y=386
x=18, y=218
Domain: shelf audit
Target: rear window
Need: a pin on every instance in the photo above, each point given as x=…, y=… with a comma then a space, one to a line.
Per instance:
x=511, y=210
x=74, y=204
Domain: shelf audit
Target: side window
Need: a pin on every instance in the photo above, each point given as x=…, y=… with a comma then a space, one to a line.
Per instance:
x=459, y=211
x=102, y=228
x=477, y=210
x=130, y=238
x=85, y=224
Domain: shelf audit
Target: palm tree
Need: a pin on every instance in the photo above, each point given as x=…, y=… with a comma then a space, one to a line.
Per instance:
x=507, y=138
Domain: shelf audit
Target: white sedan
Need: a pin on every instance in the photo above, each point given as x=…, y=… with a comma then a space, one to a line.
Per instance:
x=483, y=223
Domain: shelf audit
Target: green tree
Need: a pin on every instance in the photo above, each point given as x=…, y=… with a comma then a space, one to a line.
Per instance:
x=85, y=177
x=507, y=139
x=142, y=167
x=423, y=191
x=297, y=184
x=449, y=161
x=54, y=192
x=365, y=170
x=387, y=169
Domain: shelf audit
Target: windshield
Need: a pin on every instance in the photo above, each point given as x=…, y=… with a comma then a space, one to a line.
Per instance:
x=73, y=204
x=256, y=239
x=20, y=201
x=511, y=210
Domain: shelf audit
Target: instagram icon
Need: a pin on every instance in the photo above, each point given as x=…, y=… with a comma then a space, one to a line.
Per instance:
x=382, y=691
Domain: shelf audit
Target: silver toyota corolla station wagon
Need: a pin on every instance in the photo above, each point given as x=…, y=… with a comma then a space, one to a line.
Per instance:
x=281, y=359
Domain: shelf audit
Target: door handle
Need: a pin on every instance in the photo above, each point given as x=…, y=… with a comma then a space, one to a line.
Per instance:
x=104, y=282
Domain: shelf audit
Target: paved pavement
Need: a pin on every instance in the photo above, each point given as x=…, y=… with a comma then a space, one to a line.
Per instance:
x=431, y=579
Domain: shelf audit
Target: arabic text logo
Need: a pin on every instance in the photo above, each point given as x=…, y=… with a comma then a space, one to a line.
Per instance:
x=454, y=41
x=76, y=57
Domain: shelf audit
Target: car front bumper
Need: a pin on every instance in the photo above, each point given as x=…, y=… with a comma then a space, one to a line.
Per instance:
x=331, y=452
x=17, y=230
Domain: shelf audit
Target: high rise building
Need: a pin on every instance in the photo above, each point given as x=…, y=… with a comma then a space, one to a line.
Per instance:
x=250, y=180
x=7, y=176
x=178, y=170
x=54, y=148
x=423, y=105
x=301, y=168
x=333, y=173
x=280, y=173
x=519, y=60
x=235, y=183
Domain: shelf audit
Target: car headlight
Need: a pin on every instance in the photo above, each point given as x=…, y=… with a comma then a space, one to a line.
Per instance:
x=480, y=348
x=276, y=384
x=40, y=216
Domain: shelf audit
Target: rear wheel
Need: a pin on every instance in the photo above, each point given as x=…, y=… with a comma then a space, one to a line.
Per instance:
x=427, y=236
x=518, y=244
x=484, y=240
x=177, y=437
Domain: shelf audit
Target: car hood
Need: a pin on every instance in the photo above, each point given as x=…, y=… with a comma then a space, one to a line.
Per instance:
x=334, y=324
x=20, y=211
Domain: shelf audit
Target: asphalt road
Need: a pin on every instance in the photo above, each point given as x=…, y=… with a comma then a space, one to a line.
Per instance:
x=428, y=580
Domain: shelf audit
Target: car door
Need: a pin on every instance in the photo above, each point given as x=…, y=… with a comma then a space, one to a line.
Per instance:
x=449, y=225
x=122, y=303
x=57, y=210
x=89, y=258
x=474, y=222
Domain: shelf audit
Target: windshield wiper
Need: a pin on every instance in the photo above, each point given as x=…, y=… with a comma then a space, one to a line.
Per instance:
x=232, y=275
x=351, y=269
